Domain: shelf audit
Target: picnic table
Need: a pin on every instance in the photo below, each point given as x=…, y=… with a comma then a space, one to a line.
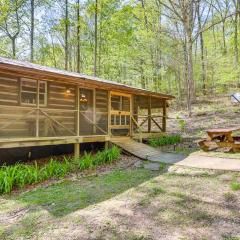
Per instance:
x=221, y=138
x=224, y=133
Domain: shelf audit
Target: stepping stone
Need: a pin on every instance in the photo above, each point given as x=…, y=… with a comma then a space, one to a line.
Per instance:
x=152, y=166
x=138, y=164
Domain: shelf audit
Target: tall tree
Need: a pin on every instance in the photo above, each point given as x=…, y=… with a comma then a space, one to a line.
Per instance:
x=95, y=38
x=32, y=30
x=223, y=7
x=236, y=19
x=78, y=37
x=11, y=23
x=66, y=35
x=203, y=68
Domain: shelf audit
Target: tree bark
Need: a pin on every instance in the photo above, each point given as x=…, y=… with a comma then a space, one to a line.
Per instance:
x=13, y=39
x=78, y=38
x=203, y=70
x=236, y=18
x=66, y=34
x=224, y=38
x=32, y=31
x=96, y=38
x=190, y=83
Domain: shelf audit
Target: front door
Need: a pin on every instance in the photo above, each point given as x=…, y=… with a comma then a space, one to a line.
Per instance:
x=120, y=114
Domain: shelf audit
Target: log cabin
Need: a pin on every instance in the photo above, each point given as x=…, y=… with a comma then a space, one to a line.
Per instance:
x=42, y=106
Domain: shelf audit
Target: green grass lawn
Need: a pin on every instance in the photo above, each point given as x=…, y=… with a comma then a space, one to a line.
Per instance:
x=68, y=196
x=123, y=204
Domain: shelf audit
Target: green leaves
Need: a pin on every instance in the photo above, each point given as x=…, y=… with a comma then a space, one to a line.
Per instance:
x=164, y=140
x=20, y=175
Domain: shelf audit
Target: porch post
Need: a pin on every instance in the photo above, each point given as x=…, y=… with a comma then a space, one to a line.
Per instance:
x=78, y=113
x=106, y=146
x=149, y=114
x=76, y=150
x=37, y=112
x=164, y=119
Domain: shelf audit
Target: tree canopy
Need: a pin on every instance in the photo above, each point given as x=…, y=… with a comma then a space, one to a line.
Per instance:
x=186, y=48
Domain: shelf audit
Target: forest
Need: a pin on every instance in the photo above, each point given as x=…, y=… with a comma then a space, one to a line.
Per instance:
x=187, y=48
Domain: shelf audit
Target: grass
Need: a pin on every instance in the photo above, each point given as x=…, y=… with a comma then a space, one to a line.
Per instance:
x=68, y=196
x=235, y=186
x=20, y=175
x=164, y=140
x=123, y=204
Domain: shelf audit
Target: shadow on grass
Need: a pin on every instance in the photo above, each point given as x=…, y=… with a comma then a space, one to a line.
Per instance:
x=68, y=196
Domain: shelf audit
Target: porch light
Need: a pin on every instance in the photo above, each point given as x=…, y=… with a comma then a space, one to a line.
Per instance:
x=68, y=91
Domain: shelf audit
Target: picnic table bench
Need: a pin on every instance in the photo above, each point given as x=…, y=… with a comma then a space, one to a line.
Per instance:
x=221, y=138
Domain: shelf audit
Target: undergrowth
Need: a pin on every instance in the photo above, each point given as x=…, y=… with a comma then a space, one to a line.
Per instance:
x=235, y=186
x=20, y=175
x=164, y=140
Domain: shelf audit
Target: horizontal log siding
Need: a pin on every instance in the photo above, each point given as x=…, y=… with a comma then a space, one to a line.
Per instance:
x=9, y=91
x=59, y=98
x=61, y=102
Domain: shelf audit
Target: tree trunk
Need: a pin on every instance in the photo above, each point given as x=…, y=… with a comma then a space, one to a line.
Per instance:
x=66, y=34
x=96, y=38
x=190, y=83
x=32, y=32
x=214, y=35
x=78, y=38
x=224, y=38
x=203, y=70
x=236, y=38
x=13, y=39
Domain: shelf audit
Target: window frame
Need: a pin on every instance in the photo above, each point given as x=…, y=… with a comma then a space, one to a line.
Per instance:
x=38, y=93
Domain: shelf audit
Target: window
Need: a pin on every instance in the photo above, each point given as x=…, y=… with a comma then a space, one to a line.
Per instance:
x=29, y=92
x=120, y=103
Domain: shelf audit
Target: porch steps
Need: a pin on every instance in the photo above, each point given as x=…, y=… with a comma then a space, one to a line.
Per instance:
x=146, y=152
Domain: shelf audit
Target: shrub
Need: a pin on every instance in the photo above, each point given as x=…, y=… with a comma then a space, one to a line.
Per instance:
x=27, y=174
x=7, y=178
x=107, y=156
x=164, y=140
x=235, y=186
x=181, y=123
x=86, y=161
x=20, y=175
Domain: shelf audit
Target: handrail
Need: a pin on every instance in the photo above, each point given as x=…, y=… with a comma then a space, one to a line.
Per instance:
x=35, y=108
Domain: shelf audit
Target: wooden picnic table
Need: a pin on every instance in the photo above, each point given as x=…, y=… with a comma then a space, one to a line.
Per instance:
x=224, y=134
x=221, y=138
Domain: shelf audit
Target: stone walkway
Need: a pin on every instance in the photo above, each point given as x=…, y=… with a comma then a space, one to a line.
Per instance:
x=195, y=160
x=216, y=163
